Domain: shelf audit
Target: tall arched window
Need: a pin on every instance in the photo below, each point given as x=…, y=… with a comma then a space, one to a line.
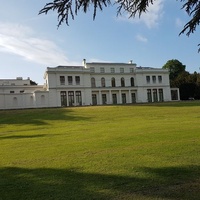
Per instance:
x=132, y=81
x=103, y=82
x=93, y=84
x=113, y=82
x=122, y=82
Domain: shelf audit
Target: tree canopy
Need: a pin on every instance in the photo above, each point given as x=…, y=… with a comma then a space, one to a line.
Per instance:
x=188, y=84
x=175, y=68
x=67, y=8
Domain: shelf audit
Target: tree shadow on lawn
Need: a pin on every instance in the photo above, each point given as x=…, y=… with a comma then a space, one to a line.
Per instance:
x=61, y=184
x=38, y=116
x=2, y=137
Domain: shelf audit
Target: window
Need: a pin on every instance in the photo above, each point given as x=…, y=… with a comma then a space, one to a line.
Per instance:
x=62, y=80
x=149, y=97
x=131, y=70
x=160, y=92
x=71, y=98
x=77, y=79
x=102, y=70
x=122, y=82
x=121, y=70
x=114, y=98
x=92, y=69
x=174, y=94
x=112, y=70
x=148, y=79
x=103, y=82
x=123, y=98
x=132, y=81
x=21, y=91
x=104, y=99
x=154, y=79
x=93, y=84
x=155, y=95
x=78, y=98
x=133, y=98
x=70, y=80
x=113, y=82
x=94, y=99
x=63, y=98
x=160, y=79
x=12, y=92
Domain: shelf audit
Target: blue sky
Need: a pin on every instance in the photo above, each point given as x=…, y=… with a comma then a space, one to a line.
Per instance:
x=29, y=43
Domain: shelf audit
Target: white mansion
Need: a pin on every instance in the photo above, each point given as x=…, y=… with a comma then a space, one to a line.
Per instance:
x=90, y=84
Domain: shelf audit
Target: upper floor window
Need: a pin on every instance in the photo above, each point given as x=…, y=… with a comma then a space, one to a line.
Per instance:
x=77, y=79
x=122, y=82
x=62, y=80
x=148, y=79
x=12, y=91
x=132, y=81
x=112, y=70
x=154, y=79
x=131, y=70
x=92, y=69
x=102, y=70
x=121, y=70
x=93, y=84
x=160, y=79
x=103, y=82
x=70, y=80
x=113, y=82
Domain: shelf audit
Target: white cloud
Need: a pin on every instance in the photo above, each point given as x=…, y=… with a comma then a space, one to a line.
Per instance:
x=21, y=41
x=179, y=23
x=151, y=17
x=141, y=38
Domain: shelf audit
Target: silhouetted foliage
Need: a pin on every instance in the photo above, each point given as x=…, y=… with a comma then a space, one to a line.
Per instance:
x=66, y=8
x=188, y=84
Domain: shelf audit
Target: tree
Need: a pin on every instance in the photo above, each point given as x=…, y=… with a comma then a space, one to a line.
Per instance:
x=66, y=8
x=175, y=68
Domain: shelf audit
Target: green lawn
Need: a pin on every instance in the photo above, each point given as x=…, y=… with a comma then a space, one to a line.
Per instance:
x=104, y=152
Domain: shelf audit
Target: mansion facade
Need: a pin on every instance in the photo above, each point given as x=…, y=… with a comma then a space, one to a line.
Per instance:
x=90, y=84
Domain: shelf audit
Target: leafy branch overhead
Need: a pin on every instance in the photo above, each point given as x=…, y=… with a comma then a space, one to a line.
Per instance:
x=67, y=8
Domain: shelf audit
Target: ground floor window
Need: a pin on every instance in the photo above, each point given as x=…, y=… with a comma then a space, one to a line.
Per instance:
x=161, y=97
x=71, y=98
x=155, y=95
x=114, y=98
x=123, y=98
x=94, y=99
x=174, y=94
x=63, y=98
x=149, y=97
x=133, y=98
x=104, y=99
x=78, y=98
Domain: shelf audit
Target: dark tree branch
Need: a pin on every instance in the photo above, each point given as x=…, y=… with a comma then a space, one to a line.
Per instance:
x=67, y=8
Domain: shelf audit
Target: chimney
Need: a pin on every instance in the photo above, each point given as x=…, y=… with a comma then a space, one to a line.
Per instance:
x=84, y=62
x=131, y=62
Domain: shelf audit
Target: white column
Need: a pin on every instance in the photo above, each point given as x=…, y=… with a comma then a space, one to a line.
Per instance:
x=129, y=94
x=110, y=97
x=120, y=96
x=100, y=98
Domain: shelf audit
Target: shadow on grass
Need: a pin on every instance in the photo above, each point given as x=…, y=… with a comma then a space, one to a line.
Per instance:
x=61, y=184
x=175, y=104
x=38, y=116
x=22, y=136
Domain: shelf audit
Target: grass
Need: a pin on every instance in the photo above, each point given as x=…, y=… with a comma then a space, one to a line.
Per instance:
x=105, y=152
